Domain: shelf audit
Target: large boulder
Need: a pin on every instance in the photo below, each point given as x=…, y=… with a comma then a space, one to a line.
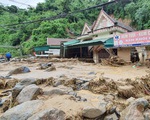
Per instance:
x=28, y=93
x=135, y=110
x=19, y=86
x=27, y=81
x=55, y=91
x=19, y=70
x=49, y=114
x=91, y=112
x=22, y=111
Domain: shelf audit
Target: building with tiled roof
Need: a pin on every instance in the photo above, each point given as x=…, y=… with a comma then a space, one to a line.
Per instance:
x=97, y=40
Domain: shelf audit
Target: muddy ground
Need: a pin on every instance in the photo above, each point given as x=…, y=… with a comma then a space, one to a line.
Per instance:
x=105, y=83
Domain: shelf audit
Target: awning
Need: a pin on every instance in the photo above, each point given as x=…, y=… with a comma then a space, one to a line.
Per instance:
x=109, y=43
x=41, y=48
x=70, y=42
x=45, y=48
x=54, y=47
x=101, y=41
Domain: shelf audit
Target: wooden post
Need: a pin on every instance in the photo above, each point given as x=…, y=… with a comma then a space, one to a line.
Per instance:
x=95, y=55
x=80, y=52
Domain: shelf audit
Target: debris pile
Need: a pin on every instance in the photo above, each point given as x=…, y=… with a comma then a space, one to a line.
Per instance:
x=102, y=85
x=75, y=97
x=113, y=61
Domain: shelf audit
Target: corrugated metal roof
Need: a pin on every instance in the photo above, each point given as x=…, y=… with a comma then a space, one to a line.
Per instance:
x=90, y=42
x=54, y=47
x=45, y=48
x=41, y=48
x=71, y=42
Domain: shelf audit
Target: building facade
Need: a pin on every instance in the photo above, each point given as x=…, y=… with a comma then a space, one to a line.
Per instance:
x=104, y=28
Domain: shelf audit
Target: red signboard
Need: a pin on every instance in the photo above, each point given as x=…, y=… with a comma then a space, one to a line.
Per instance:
x=138, y=38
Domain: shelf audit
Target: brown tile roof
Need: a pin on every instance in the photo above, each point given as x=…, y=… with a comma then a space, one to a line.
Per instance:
x=56, y=41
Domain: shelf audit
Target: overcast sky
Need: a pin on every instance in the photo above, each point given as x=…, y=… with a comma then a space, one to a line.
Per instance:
x=21, y=3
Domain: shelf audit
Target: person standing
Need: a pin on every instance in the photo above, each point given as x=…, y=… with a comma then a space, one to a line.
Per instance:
x=8, y=56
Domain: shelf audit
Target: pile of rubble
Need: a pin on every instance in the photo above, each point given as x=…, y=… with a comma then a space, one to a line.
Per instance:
x=27, y=91
x=113, y=61
x=108, y=99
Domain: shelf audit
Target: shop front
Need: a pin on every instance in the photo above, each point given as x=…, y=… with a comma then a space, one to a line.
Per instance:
x=133, y=41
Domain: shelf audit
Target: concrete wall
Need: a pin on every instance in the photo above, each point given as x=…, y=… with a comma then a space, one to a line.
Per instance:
x=124, y=53
x=104, y=35
x=54, y=52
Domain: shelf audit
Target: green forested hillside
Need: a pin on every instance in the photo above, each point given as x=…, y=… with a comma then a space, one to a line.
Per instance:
x=13, y=32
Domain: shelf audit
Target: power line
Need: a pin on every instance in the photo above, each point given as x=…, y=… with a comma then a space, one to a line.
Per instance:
x=24, y=2
x=20, y=3
x=62, y=15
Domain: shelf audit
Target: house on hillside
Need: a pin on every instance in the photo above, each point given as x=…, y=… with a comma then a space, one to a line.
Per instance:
x=51, y=49
x=54, y=45
x=97, y=42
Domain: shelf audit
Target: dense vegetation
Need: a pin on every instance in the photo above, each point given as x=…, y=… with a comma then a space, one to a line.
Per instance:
x=13, y=33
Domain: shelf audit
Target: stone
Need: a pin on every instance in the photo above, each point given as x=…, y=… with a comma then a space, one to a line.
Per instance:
x=28, y=93
x=52, y=68
x=16, y=90
x=147, y=114
x=111, y=117
x=83, y=99
x=101, y=97
x=72, y=93
x=66, y=89
x=45, y=65
x=85, y=86
x=27, y=81
x=57, y=83
x=19, y=86
x=49, y=114
x=54, y=91
x=130, y=100
x=22, y=111
x=91, y=112
x=109, y=97
x=91, y=73
x=19, y=70
x=135, y=110
x=102, y=106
